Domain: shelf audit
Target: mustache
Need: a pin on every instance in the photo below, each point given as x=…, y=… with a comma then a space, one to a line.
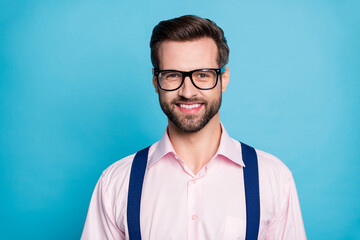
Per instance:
x=183, y=99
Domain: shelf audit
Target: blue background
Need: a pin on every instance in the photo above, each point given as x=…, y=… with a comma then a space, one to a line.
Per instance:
x=76, y=96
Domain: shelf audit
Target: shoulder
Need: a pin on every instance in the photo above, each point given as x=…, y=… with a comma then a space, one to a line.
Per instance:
x=271, y=166
x=117, y=174
x=114, y=184
x=115, y=178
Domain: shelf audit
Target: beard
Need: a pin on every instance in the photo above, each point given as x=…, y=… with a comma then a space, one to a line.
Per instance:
x=190, y=123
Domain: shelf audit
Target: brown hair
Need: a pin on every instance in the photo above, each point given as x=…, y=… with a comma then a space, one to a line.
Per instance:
x=185, y=28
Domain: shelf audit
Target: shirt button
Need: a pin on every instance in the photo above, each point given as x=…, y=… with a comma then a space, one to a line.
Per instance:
x=194, y=217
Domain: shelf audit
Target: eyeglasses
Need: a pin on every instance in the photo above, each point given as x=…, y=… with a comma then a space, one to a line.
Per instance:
x=203, y=79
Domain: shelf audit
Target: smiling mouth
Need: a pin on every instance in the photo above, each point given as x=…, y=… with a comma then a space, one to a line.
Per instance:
x=189, y=106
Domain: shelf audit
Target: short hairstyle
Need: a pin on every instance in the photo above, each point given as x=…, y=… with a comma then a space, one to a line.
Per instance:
x=187, y=28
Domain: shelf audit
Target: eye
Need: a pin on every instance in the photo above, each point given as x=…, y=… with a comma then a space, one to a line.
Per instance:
x=170, y=75
x=202, y=75
x=173, y=75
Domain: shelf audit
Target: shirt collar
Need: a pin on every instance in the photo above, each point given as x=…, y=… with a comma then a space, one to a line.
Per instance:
x=230, y=148
x=162, y=148
x=227, y=148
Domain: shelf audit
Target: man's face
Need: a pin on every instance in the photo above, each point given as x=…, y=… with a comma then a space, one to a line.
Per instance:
x=189, y=108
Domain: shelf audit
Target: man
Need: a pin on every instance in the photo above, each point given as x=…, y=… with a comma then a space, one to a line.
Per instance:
x=194, y=183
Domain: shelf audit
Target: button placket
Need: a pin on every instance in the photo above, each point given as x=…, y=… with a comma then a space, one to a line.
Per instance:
x=194, y=208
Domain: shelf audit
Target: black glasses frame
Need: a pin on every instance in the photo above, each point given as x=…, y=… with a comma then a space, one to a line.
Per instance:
x=189, y=74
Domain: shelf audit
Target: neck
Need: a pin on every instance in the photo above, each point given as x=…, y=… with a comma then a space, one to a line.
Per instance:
x=196, y=149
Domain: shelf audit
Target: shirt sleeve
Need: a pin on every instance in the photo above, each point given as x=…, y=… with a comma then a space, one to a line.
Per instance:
x=288, y=223
x=100, y=221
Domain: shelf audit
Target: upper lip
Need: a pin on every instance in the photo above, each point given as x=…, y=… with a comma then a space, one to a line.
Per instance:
x=187, y=103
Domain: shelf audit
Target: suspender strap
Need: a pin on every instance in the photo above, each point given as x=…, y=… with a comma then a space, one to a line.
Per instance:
x=134, y=194
x=252, y=195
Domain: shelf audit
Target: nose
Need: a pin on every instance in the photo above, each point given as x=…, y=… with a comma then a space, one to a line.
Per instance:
x=188, y=90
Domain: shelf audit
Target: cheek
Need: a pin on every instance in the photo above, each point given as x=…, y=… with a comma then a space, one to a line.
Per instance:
x=215, y=95
x=165, y=97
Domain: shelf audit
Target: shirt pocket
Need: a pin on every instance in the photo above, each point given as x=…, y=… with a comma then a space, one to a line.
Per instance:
x=234, y=229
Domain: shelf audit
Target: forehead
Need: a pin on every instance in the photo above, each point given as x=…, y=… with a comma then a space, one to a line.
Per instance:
x=188, y=55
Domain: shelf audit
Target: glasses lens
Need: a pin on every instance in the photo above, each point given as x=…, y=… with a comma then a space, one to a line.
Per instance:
x=170, y=80
x=205, y=78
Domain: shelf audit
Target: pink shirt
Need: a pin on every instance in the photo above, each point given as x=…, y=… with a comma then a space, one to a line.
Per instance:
x=177, y=204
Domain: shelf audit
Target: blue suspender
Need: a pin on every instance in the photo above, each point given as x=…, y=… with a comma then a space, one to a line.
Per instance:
x=252, y=195
x=134, y=195
x=251, y=184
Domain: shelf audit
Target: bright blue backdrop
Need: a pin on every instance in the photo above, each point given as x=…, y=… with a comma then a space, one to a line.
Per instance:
x=76, y=95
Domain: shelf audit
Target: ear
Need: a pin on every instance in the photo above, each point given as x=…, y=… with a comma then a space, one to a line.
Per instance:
x=225, y=77
x=154, y=82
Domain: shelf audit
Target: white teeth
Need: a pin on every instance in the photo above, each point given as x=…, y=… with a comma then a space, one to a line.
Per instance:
x=190, y=106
